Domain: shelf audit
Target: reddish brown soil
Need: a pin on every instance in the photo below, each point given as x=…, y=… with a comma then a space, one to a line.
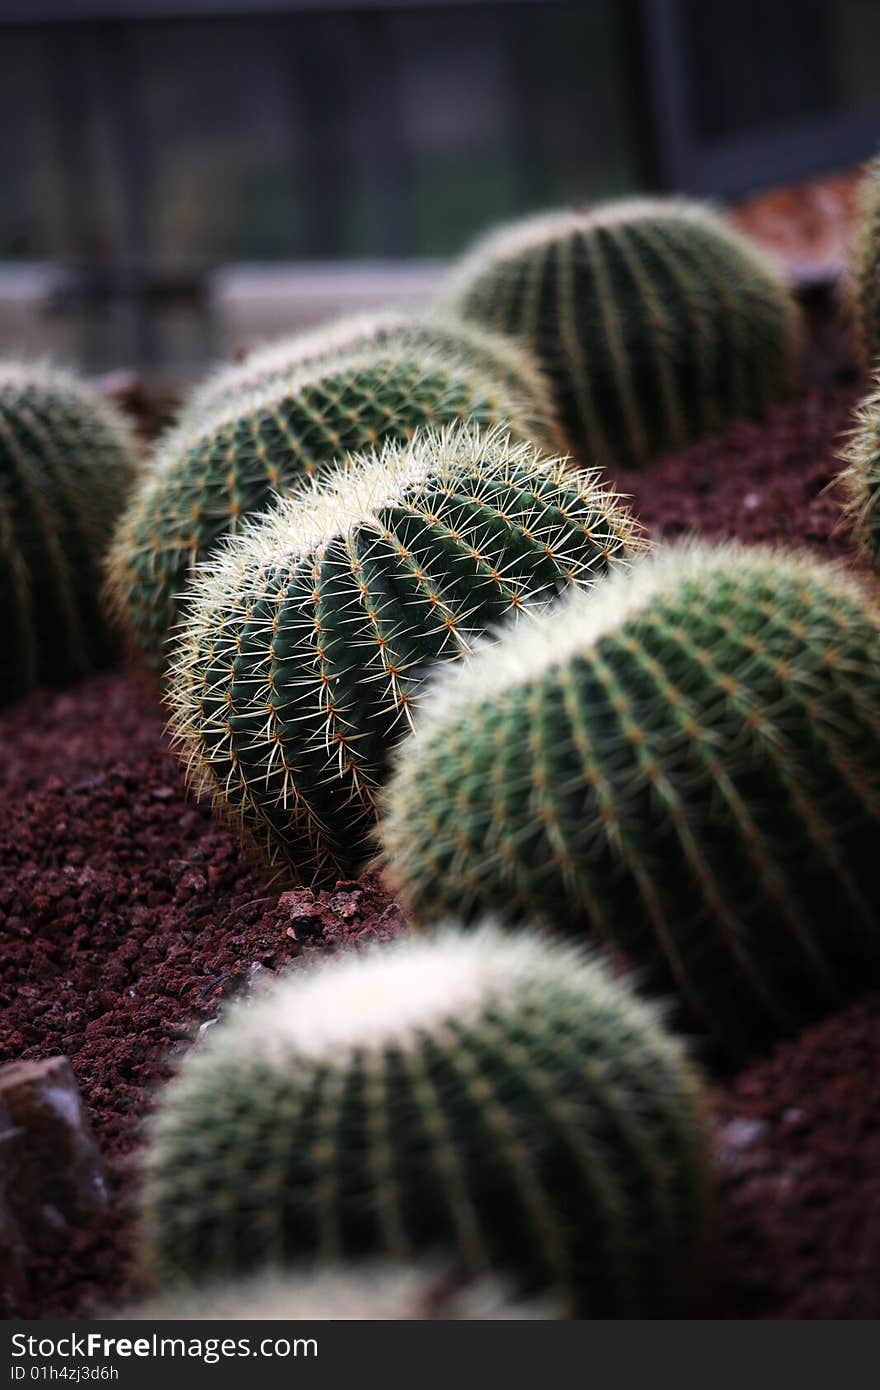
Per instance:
x=771, y=482
x=127, y=917
x=808, y=224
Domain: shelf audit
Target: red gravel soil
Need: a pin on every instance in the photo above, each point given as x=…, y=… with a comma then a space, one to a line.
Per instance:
x=128, y=917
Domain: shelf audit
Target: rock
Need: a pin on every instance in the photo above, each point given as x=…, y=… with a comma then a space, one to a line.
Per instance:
x=345, y=905
x=299, y=904
x=739, y=1135
x=54, y=1182
x=12, y=1275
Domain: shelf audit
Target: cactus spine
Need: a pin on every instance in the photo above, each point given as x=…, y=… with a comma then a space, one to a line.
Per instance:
x=685, y=764
x=368, y=1292
x=655, y=321
x=308, y=640
x=206, y=481
x=67, y=461
x=864, y=269
x=491, y=356
x=493, y=1097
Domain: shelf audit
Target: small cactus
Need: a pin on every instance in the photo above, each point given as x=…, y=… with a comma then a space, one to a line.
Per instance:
x=490, y=355
x=864, y=269
x=685, y=765
x=206, y=480
x=372, y=1292
x=655, y=321
x=67, y=461
x=861, y=477
x=308, y=640
x=495, y=1098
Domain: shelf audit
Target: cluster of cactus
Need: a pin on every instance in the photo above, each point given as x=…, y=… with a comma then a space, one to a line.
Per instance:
x=864, y=269
x=67, y=462
x=363, y=1292
x=491, y=1096
x=654, y=320
x=686, y=766
x=490, y=355
x=308, y=639
x=676, y=760
x=208, y=478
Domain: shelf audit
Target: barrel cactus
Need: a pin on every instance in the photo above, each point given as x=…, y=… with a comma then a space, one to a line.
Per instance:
x=67, y=461
x=685, y=765
x=364, y=1292
x=307, y=640
x=489, y=1096
x=655, y=321
x=206, y=480
x=861, y=477
x=864, y=269
x=491, y=356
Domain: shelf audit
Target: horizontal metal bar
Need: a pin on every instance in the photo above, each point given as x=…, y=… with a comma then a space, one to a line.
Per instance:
x=85, y=11
x=314, y=288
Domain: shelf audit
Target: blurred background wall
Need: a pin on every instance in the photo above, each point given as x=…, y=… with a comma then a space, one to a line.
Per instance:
x=178, y=179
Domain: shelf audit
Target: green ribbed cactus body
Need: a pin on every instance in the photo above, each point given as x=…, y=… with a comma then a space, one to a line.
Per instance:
x=864, y=269
x=491, y=356
x=368, y=1292
x=861, y=477
x=308, y=642
x=205, y=483
x=684, y=765
x=67, y=462
x=493, y=1099
x=654, y=320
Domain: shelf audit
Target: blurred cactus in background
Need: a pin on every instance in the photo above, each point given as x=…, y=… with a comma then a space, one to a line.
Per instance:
x=368, y=1292
x=864, y=269
x=655, y=321
x=67, y=463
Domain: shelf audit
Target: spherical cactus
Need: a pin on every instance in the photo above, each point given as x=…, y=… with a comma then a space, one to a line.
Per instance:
x=861, y=477
x=655, y=321
x=491, y=356
x=308, y=640
x=67, y=461
x=686, y=765
x=206, y=481
x=864, y=276
x=493, y=1097
x=371, y=1292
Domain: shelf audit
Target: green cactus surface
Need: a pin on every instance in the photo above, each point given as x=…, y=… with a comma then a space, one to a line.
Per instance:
x=308, y=640
x=861, y=477
x=368, y=1292
x=67, y=462
x=684, y=765
x=492, y=356
x=864, y=269
x=489, y=1097
x=656, y=322
x=206, y=481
